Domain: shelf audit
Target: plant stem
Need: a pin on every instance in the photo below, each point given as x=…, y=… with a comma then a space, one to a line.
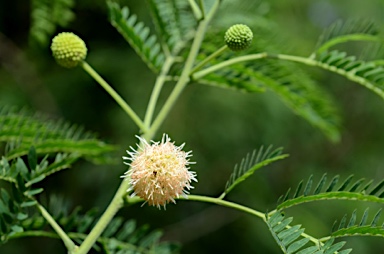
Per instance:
x=201, y=5
x=219, y=201
x=229, y=62
x=225, y=203
x=157, y=89
x=113, y=207
x=209, y=58
x=67, y=241
x=195, y=9
x=184, y=77
x=114, y=95
x=351, y=75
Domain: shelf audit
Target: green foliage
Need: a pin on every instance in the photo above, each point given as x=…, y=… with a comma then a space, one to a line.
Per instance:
x=291, y=238
x=137, y=34
x=46, y=16
x=358, y=190
x=9, y=170
x=14, y=209
x=292, y=85
x=251, y=163
x=344, y=31
x=21, y=130
x=301, y=94
x=362, y=228
x=119, y=237
x=174, y=23
x=367, y=74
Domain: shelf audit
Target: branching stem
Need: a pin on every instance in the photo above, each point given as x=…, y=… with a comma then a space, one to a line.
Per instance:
x=184, y=77
x=209, y=58
x=117, y=200
x=161, y=79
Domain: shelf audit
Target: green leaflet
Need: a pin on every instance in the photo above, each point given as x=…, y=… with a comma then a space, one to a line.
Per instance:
x=357, y=230
x=292, y=239
x=137, y=35
x=46, y=15
x=344, y=31
x=363, y=228
x=328, y=196
x=345, y=191
x=367, y=74
x=121, y=236
x=21, y=130
x=173, y=21
x=250, y=164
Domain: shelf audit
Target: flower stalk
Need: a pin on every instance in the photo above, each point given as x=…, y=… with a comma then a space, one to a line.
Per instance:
x=122, y=103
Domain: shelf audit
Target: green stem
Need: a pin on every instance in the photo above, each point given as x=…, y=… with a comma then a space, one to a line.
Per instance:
x=67, y=241
x=226, y=63
x=219, y=201
x=184, y=77
x=113, y=207
x=225, y=203
x=201, y=5
x=195, y=9
x=114, y=95
x=209, y=58
x=157, y=89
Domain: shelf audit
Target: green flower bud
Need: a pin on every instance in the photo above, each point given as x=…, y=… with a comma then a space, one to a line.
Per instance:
x=238, y=37
x=68, y=49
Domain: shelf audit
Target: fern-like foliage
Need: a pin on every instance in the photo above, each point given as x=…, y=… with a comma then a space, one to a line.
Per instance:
x=344, y=31
x=35, y=172
x=174, y=23
x=346, y=190
x=364, y=73
x=251, y=163
x=120, y=236
x=14, y=207
x=362, y=228
x=13, y=211
x=21, y=130
x=46, y=15
x=19, y=216
x=292, y=85
x=291, y=239
x=137, y=34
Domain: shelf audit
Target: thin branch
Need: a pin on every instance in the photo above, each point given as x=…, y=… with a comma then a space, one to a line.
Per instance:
x=67, y=241
x=123, y=104
x=161, y=79
x=195, y=9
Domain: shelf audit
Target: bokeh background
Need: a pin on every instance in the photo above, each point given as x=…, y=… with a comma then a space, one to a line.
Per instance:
x=220, y=126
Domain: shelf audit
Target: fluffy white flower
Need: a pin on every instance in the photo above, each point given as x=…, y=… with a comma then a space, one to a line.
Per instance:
x=159, y=171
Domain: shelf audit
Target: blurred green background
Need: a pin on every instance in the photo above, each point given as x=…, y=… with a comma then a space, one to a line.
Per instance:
x=220, y=126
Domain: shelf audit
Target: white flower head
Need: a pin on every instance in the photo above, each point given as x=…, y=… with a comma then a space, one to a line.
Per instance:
x=159, y=171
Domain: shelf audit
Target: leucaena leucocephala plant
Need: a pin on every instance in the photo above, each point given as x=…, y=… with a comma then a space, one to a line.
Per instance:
x=186, y=47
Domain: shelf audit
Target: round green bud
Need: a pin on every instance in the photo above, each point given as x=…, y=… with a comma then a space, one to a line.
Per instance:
x=68, y=49
x=238, y=37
